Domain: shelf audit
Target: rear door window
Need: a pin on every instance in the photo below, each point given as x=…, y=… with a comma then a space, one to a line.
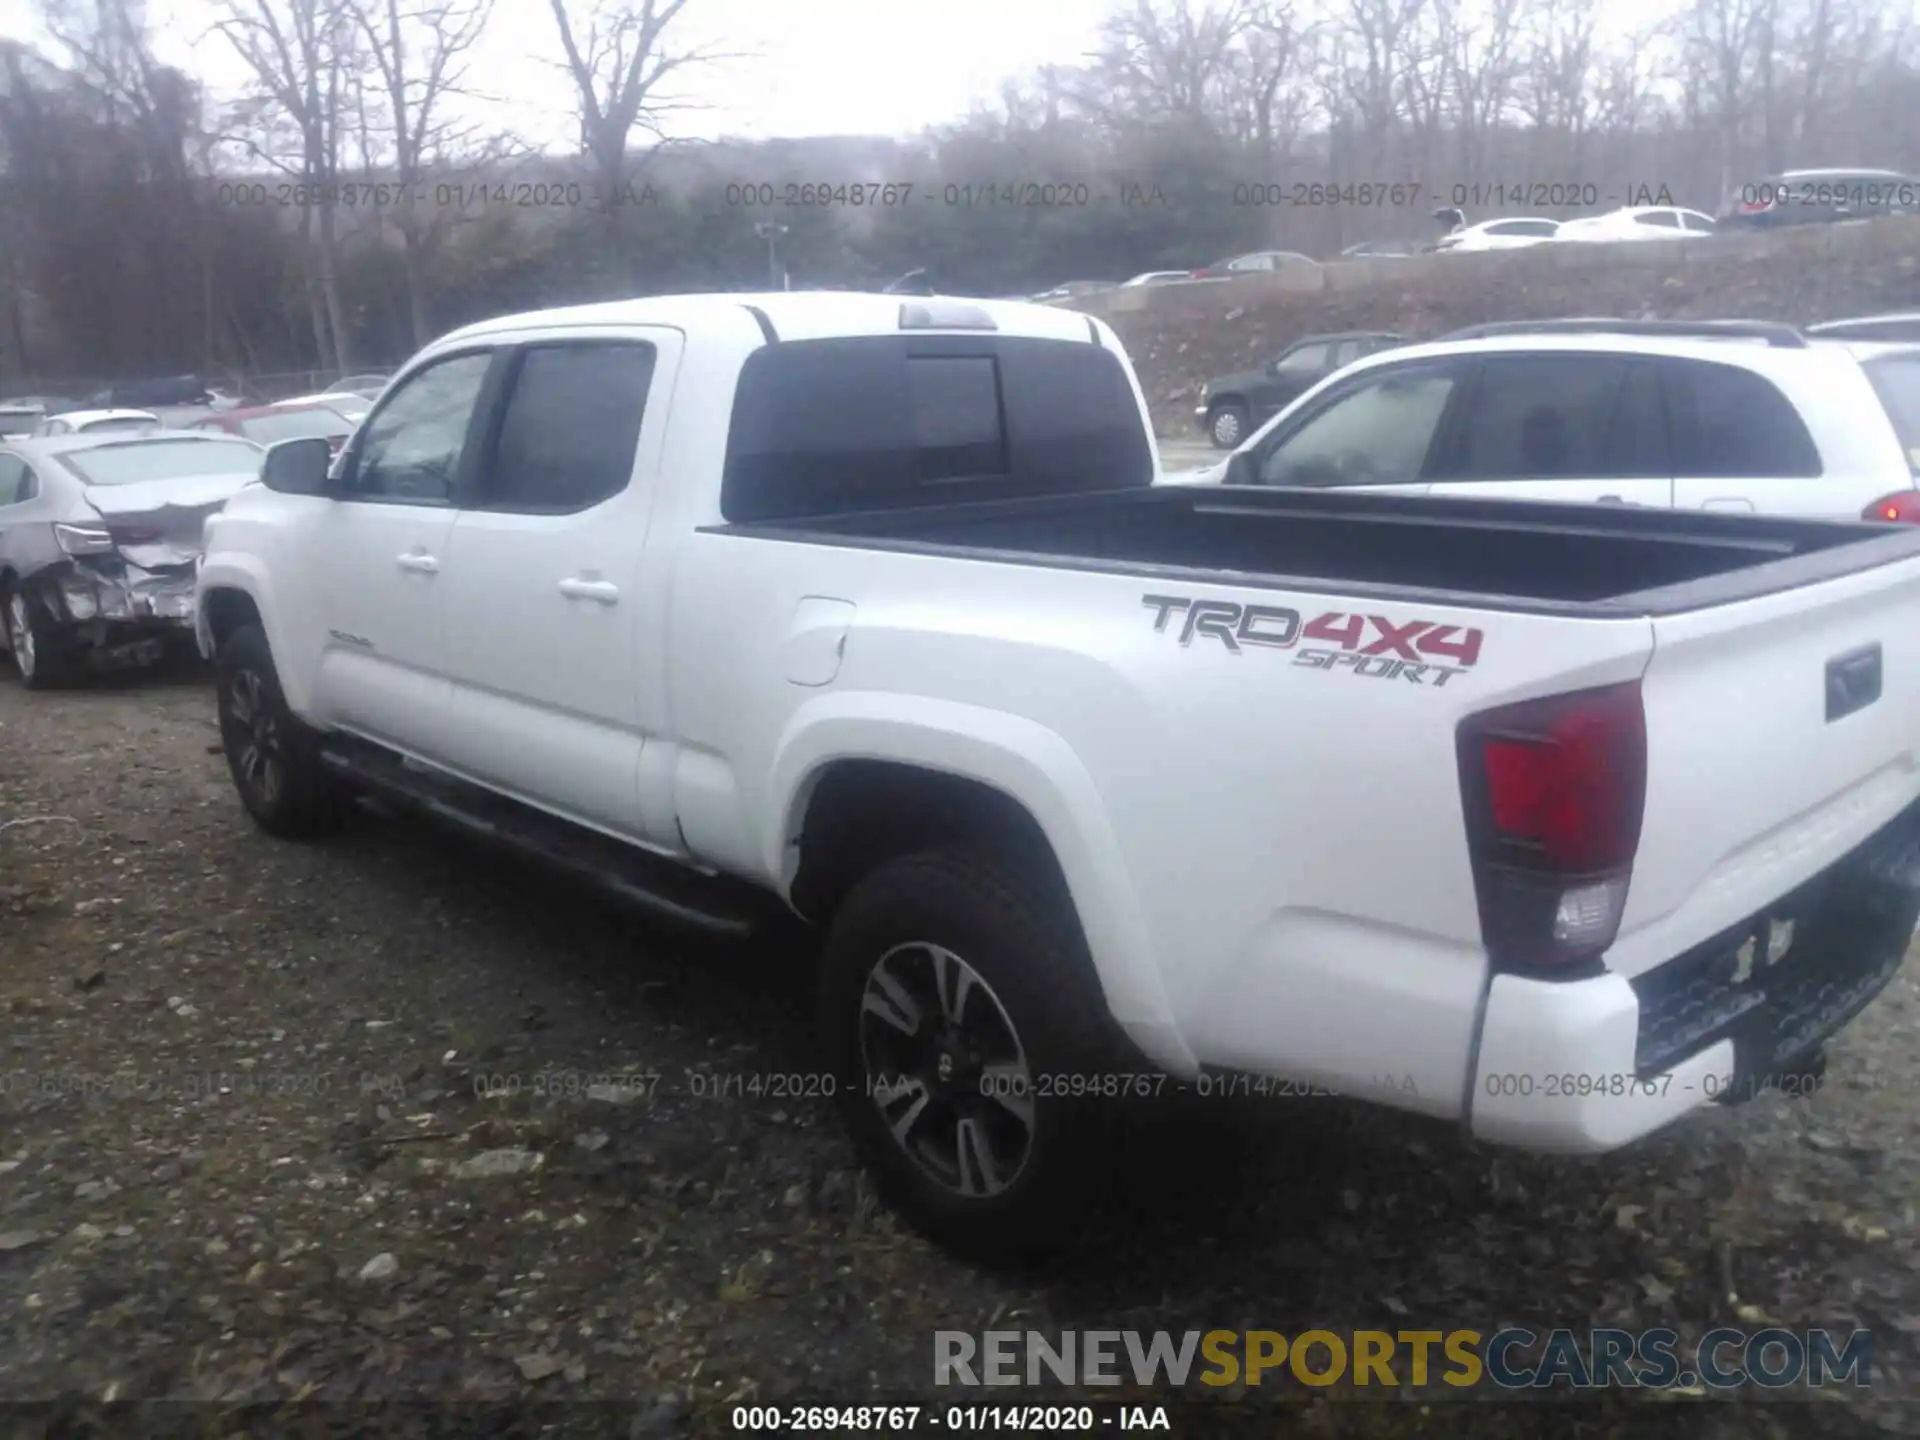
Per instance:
x=570, y=428
x=1559, y=416
x=1728, y=421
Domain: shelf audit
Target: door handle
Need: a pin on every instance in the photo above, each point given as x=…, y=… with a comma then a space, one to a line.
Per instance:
x=1726, y=503
x=419, y=562
x=605, y=591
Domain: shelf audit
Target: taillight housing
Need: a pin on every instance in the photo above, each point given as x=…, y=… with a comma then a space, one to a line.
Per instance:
x=83, y=539
x=1554, y=792
x=1902, y=507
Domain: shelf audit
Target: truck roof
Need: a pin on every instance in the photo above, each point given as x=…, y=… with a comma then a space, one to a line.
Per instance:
x=794, y=315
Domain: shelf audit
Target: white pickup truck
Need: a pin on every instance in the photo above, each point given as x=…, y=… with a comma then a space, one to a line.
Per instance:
x=1555, y=821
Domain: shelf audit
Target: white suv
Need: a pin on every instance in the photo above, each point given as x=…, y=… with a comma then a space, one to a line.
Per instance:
x=1715, y=415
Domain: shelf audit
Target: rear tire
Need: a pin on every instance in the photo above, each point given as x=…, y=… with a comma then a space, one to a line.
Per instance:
x=41, y=658
x=273, y=756
x=955, y=998
x=1227, y=426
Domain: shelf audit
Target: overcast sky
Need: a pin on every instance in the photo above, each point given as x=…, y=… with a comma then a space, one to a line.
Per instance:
x=816, y=67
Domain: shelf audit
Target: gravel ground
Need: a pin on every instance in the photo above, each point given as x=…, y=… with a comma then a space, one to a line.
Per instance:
x=243, y=1110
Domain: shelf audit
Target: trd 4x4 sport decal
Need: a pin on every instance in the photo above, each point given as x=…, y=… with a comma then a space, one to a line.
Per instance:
x=1420, y=651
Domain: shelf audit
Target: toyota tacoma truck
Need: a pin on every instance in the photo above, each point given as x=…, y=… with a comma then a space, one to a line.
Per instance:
x=1556, y=822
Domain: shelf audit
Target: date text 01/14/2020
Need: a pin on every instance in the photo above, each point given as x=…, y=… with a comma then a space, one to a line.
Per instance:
x=1209, y=1084
x=442, y=195
x=908, y=1419
x=970, y=195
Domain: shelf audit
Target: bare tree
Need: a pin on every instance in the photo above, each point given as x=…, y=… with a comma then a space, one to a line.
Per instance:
x=1723, y=40
x=303, y=54
x=1483, y=61
x=1554, y=89
x=1266, y=93
x=1363, y=80
x=1163, y=60
x=619, y=56
x=108, y=48
x=418, y=51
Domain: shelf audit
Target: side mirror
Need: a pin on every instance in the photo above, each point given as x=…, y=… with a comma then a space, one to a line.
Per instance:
x=297, y=467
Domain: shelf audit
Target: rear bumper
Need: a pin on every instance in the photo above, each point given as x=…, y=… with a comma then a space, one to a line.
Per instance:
x=131, y=599
x=1586, y=1066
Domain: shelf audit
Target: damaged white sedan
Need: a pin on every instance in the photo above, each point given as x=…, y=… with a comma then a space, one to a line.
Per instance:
x=100, y=537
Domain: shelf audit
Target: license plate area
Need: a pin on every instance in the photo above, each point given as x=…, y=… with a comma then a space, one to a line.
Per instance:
x=1781, y=981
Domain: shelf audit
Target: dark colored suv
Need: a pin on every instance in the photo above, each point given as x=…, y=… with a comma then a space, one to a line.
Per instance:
x=1820, y=197
x=1234, y=406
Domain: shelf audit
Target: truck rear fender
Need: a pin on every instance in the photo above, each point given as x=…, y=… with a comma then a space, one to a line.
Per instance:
x=1030, y=765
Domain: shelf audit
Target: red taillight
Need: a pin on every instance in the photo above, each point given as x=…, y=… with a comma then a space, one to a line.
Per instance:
x=1902, y=507
x=1203, y=275
x=1554, y=791
x=133, y=535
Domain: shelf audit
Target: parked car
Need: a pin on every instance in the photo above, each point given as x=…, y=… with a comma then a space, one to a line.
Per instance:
x=177, y=391
x=22, y=414
x=1073, y=290
x=1259, y=262
x=1232, y=405
x=99, y=534
x=1820, y=197
x=1687, y=415
x=1637, y=222
x=267, y=424
x=87, y=422
x=905, y=733
x=918, y=281
x=1157, y=277
x=367, y=385
x=1509, y=234
x=354, y=407
x=1896, y=326
x=1378, y=250
x=17, y=418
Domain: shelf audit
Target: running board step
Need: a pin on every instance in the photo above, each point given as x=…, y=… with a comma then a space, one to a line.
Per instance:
x=710, y=905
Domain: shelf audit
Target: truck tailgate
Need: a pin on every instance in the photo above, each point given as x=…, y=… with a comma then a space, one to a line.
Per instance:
x=1781, y=732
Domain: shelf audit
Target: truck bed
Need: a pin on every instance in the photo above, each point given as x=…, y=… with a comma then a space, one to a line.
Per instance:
x=1560, y=559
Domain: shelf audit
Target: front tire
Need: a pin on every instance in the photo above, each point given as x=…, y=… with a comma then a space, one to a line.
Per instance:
x=956, y=1006
x=1227, y=425
x=273, y=756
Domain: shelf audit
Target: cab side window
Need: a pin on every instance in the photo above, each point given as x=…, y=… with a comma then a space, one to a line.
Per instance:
x=412, y=448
